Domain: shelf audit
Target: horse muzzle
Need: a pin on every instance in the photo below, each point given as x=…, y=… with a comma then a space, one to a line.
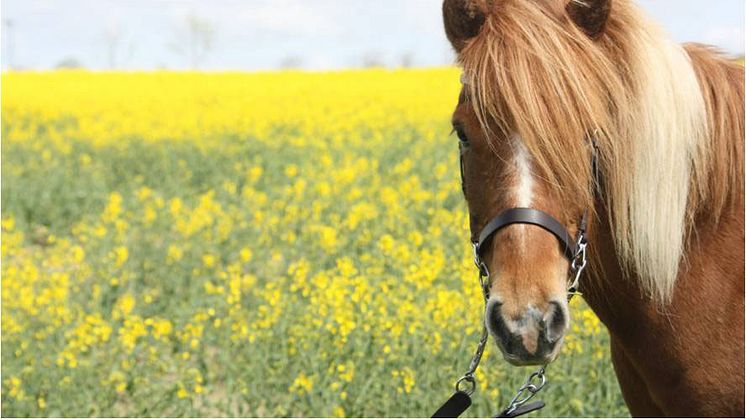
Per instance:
x=531, y=337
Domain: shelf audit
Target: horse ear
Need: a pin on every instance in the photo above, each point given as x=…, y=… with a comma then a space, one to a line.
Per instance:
x=590, y=15
x=462, y=20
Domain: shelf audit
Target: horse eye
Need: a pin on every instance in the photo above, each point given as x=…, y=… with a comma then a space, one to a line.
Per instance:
x=462, y=136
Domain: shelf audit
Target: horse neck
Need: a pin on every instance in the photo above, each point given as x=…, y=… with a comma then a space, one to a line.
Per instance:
x=614, y=298
x=711, y=276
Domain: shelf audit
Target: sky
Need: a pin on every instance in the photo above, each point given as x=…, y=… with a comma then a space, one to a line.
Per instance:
x=268, y=34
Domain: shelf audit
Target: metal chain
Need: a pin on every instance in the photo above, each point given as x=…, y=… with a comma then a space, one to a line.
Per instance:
x=528, y=390
x=469, y=377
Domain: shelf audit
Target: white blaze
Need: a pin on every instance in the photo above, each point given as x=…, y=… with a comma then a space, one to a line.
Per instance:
x=524, y=187
x=523, y=194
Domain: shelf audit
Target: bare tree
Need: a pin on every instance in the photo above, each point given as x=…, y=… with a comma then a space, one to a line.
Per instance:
x=8, y=25
x=195, y=40
x=406, y=60
x=372, y=59
x=113, y=39
x=68, y=63
x=119, y=52
x=291, y=62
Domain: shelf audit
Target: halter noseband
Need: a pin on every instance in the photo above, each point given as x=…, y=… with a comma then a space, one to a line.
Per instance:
x=534, y=217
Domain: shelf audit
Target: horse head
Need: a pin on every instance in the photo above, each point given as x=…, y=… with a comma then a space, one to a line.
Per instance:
x=503, y=116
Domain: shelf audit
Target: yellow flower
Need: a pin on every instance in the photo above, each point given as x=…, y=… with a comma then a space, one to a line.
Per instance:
x=120, y=256
x=15, y=388
x=407, y=380
x=124, y=306
x=174, y=253
x=162, y=328
x=386, y=243
x=78, y=254
x=255, y=173
x=208, y=261
x=328, y=238
x=144, y=193
x=302, y=384
x=114, y=209
x=8, y=224
x=346, y=371
x=245, y=254
x=291, y=170
x=175, y=207
x=132, y=330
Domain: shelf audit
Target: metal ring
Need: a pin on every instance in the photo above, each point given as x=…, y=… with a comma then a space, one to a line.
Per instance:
x=518, y=401
x=483, y=269
x=484, y=283
x=580, y=256
x=541, y=377
x=574, y=267
x=470, y=379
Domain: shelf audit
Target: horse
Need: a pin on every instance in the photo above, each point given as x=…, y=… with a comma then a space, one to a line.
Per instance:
x=550, y=86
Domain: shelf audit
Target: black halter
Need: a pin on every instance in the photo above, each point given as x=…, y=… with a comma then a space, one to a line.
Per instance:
x=534, y=217
x=571, y=247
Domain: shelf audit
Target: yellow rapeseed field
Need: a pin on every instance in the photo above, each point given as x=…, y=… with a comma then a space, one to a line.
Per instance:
x=270, y=244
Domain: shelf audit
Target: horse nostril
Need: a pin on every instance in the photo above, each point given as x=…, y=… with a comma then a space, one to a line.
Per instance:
x=556, y=321
x=496, y=323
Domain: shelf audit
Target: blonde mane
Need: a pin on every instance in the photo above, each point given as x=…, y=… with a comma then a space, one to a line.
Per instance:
x=670, y=132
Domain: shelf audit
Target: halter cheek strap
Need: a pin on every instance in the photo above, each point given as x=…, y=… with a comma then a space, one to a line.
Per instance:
x=534, y=217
